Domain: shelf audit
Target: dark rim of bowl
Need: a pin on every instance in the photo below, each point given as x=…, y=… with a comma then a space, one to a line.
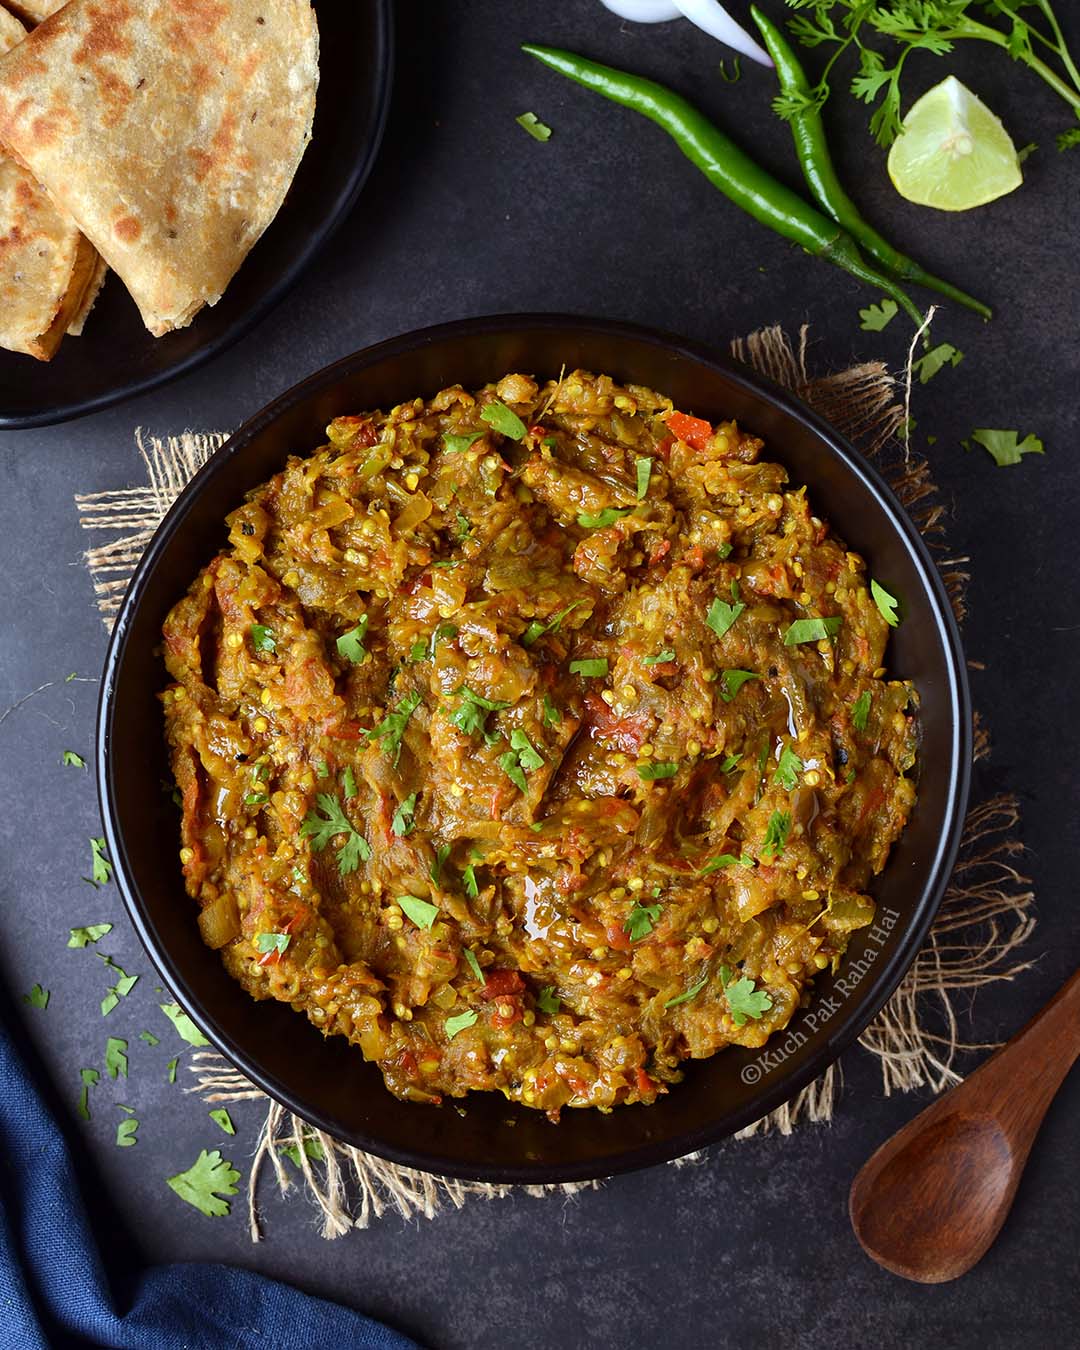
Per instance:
x=876, y=991
x=274, y=294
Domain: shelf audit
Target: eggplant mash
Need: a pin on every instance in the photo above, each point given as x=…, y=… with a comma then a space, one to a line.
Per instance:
x=536, y=740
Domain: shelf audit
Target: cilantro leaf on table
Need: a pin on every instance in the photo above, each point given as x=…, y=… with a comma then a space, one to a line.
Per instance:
x=93, y=932
x=876, y=317
x=322, y=828
x=312, y=1149
x=149, y=1038
x=37, y=997
x=100, y=866
x=531, y=123
x=116, y=1057
x=170, y=1069
x=185, y=1027
x=743, y=999
x=1006, y=447
x=221, y=1117
x=928, y=365
x=206, y=1182
x=71, y=760
x=126, y=1132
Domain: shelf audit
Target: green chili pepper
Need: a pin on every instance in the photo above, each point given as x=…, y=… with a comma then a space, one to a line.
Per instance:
x=726, y=166
x=809, y=132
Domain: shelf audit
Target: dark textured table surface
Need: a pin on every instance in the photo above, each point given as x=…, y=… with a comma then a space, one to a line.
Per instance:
x=466, y=214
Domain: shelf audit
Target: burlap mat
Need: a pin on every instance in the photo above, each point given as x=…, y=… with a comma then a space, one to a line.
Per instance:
x=984, y=919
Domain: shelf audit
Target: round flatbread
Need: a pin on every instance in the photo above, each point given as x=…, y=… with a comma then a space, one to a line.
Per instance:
x=170, y=130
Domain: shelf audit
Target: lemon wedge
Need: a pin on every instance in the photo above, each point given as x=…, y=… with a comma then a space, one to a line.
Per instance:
x=953, y=153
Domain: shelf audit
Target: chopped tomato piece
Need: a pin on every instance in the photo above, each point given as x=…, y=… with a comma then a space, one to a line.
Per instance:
x=695, y=431
x=617, y=937
x=502, y=983
x=625, y=733
x=660, y=552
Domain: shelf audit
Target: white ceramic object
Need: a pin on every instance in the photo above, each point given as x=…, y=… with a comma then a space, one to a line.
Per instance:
x=709, y=16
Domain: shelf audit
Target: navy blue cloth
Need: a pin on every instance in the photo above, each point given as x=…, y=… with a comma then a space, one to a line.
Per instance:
x=54, y=1290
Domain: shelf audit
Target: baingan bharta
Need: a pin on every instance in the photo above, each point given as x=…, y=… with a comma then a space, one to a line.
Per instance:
x=536, y=740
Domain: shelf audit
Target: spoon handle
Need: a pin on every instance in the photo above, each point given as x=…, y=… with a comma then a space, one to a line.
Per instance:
x=1027, y=1072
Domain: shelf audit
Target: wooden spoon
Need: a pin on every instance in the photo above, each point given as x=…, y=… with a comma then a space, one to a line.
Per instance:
x=932, y=1199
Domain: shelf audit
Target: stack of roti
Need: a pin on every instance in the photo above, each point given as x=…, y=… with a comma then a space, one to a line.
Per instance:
x=50, y=273
x=165, y=134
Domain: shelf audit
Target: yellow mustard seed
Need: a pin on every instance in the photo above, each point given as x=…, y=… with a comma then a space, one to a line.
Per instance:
x=251, y=832
x=528, y=1019
x=260, y=724
x=821, y=960
x=811, y=895
x=551, y=1042
x=265, y=698
x=291, y=578
x=628, y=693
x=608, y=697
x=711, y=924
x=456, y=790
x=412, y=481
x=693, y=748
x=179, y=693
x=624, y=974
x=234, y=641
x=187, y=855
x=635, y=883
x=812, y=778
x=598, y=953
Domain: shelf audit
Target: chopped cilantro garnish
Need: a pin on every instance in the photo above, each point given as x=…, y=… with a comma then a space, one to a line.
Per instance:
x=185, y=1027
x=272, y=942
x=312, y=1149
x=733, y=680
x=459, y=1022
x=474, y=965
x=37, y=997
x=462, y=527
x=688, y=994
x=522, y=758
x=730, y=763
x=422, y=913
x=404, y=821
x=885, y=602
x=551, y=715
x=860, y=710
x=721, y=615
x=100, y=866
x=531, y=123
x=454, y=445
x=441, y=855
x=116, y=1057
x=602, y=519
x=1006, y=447
x=221, y=1117
x=788, y=769
x=321, y=828
x=536, y=629
x=256, y=799
x=504, y=420
x=591, y=669
x=149, y=1038
x=547, y=1000
x=652, y=771
x=928, y=365
x=660, y=659
x=715, y=864
x=641, y=921
x=348, y=783
x=206, y=1181
x=350, y=645
x=94, y=932
x=392, y=728
x=262, y=638
x=812, y=630
x=776, y=834
x=468, y=876
x=71, y=760
x=170, y=1069
x=126, y=1131
x=743, y=999
x=643, y=468
x=470, y=716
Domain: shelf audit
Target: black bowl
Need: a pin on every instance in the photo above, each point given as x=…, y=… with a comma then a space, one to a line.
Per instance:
x=327, y=1081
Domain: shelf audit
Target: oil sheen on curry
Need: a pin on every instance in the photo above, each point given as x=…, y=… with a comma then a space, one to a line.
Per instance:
x=536, y=740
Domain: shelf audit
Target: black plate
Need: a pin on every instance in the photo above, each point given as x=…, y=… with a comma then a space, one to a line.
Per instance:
x=116, y=357
x=327, y=1081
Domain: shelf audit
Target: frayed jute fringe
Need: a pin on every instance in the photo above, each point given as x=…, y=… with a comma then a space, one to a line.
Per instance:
x=977, y=938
